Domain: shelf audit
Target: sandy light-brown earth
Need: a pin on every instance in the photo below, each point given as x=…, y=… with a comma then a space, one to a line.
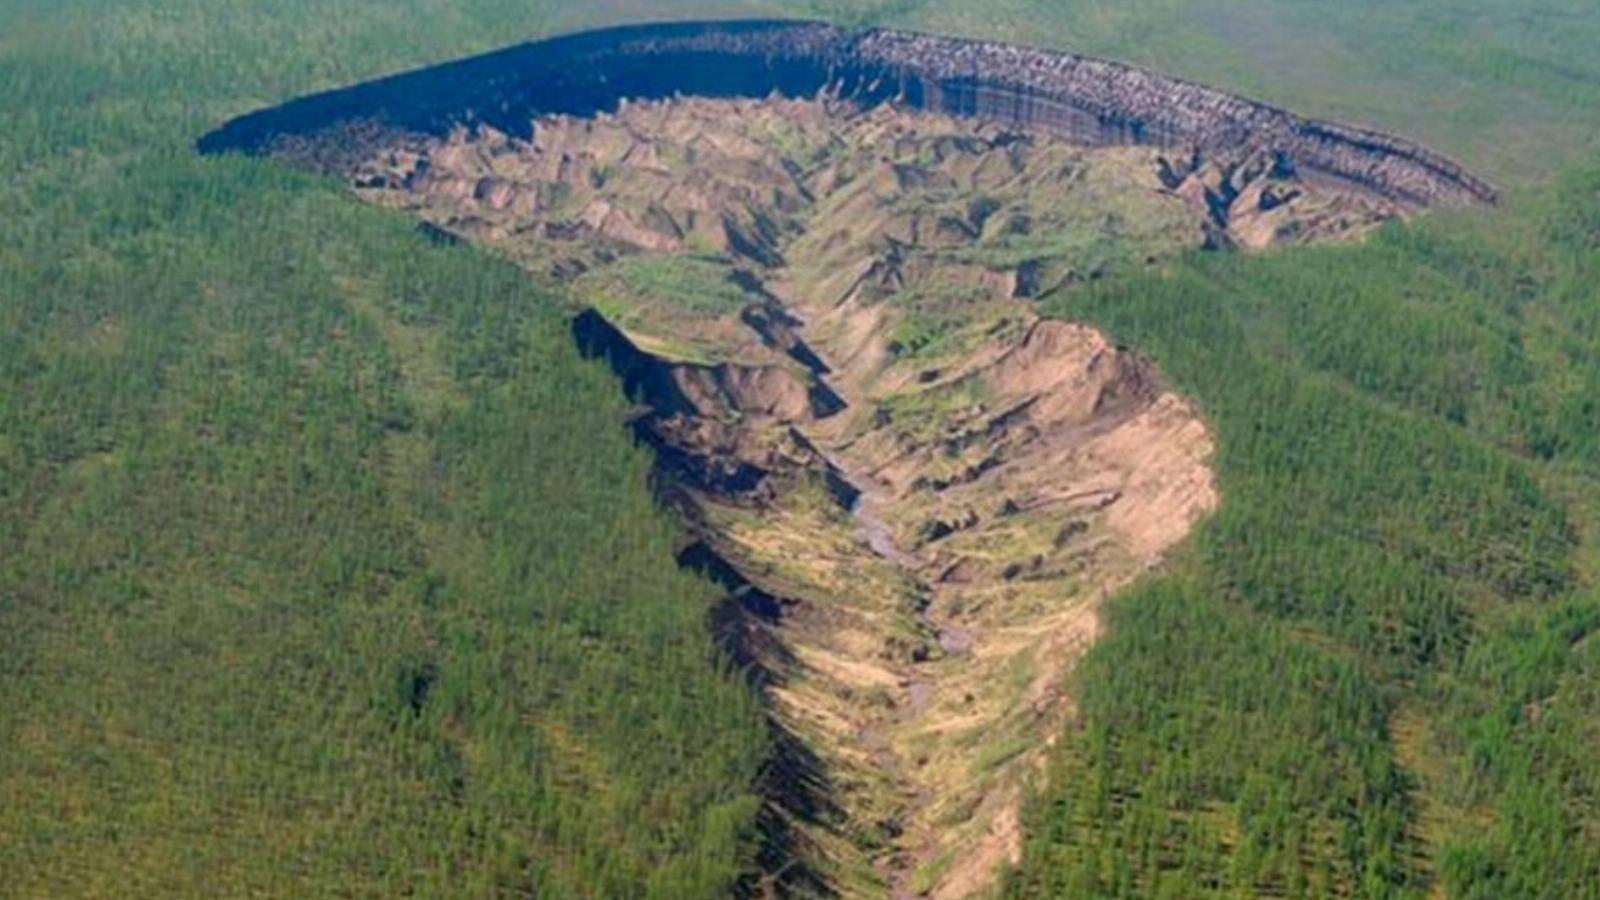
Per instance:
x=919, y=491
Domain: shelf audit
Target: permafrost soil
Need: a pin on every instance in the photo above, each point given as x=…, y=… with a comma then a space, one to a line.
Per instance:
x=917, y=492
x=925, y=490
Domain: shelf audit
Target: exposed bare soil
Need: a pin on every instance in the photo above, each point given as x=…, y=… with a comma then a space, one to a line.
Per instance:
x=920, y=491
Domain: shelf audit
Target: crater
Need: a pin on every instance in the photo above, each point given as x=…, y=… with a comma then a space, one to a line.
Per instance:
x=812, y=256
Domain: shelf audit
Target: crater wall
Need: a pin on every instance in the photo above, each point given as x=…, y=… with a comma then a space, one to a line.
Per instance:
x=1090, y=100
x=916, y=491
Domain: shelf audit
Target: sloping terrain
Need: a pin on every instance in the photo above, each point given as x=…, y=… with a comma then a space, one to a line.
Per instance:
x=275, y=472
x=921, y=490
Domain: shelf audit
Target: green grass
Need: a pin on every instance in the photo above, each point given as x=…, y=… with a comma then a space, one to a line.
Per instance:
x=920, y=414
x=670, y=285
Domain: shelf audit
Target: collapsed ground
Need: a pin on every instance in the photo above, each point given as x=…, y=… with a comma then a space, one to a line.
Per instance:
x=918, y=491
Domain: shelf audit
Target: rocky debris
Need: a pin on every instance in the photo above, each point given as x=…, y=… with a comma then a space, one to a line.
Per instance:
x=1259, y=200
x=764, y=392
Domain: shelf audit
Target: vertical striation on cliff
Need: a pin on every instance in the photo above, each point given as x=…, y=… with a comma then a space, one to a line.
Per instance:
x=1086, y=99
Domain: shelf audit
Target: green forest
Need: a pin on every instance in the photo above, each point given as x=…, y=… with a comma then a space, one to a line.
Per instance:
x=1374, y=671
x=328, y=568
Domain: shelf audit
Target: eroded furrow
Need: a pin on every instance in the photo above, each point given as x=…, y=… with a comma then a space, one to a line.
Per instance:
x=915, y=490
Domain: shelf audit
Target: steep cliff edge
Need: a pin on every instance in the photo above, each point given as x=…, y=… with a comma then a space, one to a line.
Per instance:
x=1089, y=100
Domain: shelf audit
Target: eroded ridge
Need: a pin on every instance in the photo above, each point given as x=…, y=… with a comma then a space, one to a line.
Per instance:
x=919, y=491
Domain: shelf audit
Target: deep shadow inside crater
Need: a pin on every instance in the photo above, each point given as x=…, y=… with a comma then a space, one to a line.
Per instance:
x=1091, y=101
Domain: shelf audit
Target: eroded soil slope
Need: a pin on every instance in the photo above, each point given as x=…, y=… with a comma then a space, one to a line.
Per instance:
x=918, y=491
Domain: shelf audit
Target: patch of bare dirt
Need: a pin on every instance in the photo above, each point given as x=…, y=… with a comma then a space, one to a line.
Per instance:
x=875, y=426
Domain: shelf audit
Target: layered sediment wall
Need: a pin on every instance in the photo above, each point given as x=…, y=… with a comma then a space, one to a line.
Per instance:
x=1089, y=100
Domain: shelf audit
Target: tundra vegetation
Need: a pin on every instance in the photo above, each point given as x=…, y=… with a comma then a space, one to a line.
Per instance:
x=327, y=569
